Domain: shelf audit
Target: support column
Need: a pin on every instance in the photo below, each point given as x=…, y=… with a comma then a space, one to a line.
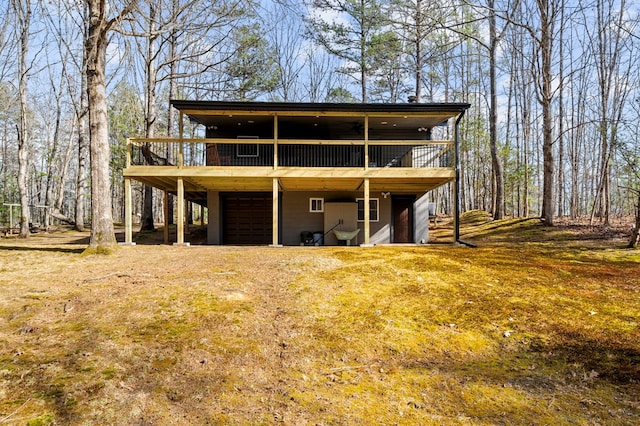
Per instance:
x=454, y=207
x=456, y=184
x=188, y=214
x=166, y=217
x=275, y=142
x=181, y=143
x=367, y=214
x=180, y=221
x=128, y=213
x=276, y=213
x=366, y=142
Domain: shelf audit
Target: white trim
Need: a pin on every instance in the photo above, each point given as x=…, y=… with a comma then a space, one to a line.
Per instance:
x=311, y=205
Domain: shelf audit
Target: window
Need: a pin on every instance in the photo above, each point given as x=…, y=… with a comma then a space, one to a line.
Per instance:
x=373, y=209
x=316, y=205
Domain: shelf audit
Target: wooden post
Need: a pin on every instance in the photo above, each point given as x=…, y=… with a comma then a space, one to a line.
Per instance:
x=188, y=214
x=366, y=142
x=275, y=142
x=128, y=213
x=181, y=143
x=166, y=217
x=367, y=213
x=180, y=221
x=276, y=198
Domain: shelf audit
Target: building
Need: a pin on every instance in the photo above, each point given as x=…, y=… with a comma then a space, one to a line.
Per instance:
x=290, y=173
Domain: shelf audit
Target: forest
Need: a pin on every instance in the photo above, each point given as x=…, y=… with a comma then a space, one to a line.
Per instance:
x=554, y=88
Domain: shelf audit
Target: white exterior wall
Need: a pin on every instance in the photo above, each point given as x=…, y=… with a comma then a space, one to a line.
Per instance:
x=297, y=218
x=421, y=220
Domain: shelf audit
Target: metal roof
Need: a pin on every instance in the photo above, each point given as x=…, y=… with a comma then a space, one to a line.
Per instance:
x=450, y=107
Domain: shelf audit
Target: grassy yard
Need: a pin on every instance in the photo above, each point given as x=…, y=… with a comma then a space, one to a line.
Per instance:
x=535, y=326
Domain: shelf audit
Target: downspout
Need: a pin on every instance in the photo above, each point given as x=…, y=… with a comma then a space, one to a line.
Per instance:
x=456, y=230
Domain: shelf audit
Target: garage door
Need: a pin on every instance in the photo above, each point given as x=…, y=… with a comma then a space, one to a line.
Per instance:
x=247, y=219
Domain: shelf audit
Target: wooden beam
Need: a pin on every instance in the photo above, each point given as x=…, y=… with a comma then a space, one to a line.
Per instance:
x=166, y=217
x=301, y=172
x=181, y=143
x=275, y=142
x=366, y=142
x=275, y=217
x=128, y=213
x=180, y=221
x=367, y=213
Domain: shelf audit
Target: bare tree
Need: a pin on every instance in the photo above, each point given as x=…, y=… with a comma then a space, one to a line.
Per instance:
x=99, y=24
x=607, y=47
x=23, y=12
x=284, y=29
x=630, y=155
x=540, y=19
x=319, y=72
x=491, y=46
x=167, y=34
x=543, y=69
x=69, y=29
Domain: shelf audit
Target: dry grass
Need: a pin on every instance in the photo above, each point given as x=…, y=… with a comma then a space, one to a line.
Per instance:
x=534, y=326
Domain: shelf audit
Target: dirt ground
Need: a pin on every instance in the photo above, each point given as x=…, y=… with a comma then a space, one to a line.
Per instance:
x=157, y=334
x=53, y=284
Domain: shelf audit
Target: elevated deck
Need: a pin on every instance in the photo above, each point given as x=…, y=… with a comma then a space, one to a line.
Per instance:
x=397, y=166
x=402, y=149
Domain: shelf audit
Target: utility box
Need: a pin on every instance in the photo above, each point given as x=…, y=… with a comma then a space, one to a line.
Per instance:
x=342, y=216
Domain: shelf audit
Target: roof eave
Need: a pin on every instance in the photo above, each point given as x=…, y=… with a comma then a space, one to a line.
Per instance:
x=191, y=105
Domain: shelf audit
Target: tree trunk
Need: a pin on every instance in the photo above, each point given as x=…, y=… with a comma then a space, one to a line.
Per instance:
x=173, y=92
x=561, y=209
x=23, y=13
x=83, y=148
x=545, y=98
x=81, y=181
x=418, y=52
x=53, y=173
x=103, y=238
x=150, y=116
x=59, y=200
x=498, y=172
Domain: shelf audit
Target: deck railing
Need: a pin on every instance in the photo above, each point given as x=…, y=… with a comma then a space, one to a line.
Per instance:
x=307, y=153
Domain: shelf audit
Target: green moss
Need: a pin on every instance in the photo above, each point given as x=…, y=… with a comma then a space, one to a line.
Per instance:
x=109, y=373
x=43, y=420
x=101, y=250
